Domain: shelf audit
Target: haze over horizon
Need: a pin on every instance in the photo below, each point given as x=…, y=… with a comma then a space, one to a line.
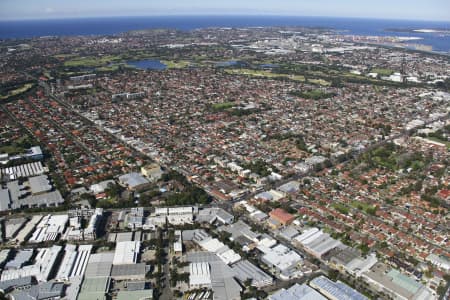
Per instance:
x=433, y=10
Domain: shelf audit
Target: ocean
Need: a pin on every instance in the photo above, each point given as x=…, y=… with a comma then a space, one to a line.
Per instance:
x=114, y=25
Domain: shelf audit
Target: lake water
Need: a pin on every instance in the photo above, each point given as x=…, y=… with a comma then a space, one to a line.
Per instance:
x=147, y=64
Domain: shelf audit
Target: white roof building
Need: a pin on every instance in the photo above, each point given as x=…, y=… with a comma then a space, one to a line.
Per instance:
x=199, y=275
x=282, y=258
x=101, y=186
x=49, y=228
x=178, y=244
x=126, y=252
x=43, y=265
x=317, y=242
x=297, y=292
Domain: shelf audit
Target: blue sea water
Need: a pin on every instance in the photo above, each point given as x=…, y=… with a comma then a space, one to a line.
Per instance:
x=115, y=25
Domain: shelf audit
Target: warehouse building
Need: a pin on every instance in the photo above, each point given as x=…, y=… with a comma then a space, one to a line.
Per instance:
x=245, y=270
x=134, y=181
x=282, y=259
x=21, y=258
x=126, y=252
x=178, y=244
x=129, y=271
x=70, y=254
x=94, y=288
x=135, y=295
x=4, y=256
x=49, y=228
x=317, y=243
x=25, y=233
x=39, y=184
x=335, y=290
x=41, y=291
x=397, y=285
x=297, y=292
x=41, y=269
x=24, y=170
x=199, y=275
x=223, y=284
x=5, y=200
x=7, y=286
x=12, y=227
x=100, y=265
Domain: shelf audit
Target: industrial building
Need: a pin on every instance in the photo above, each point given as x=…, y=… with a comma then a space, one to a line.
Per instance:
x=335, y=290
x=100, y=187
x=297, y=292
x=5, y=200
x=173, y=215
x=24, y=170
x=49, y=228
x=134, y=181
x=39, y=184
x=146, y=294
x=240, y=229
x=399, y=286
x=21, y=258
x=316, y=242
x=135, y=218
x=25, y=233
x=282, y=259
x=12, y=227
x=100, y=265
x=129, y=271
x=41, y=291
x=94, y=288
x=199, y=275
x=223, y=284
x=74, y=262
x=41, y=269
x=126, y=252
x=245, y=270
x=211, y=215
x=227, y=255
x=178, y=244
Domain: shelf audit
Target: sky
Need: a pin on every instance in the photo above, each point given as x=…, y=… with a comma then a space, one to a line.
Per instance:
x=437, y=10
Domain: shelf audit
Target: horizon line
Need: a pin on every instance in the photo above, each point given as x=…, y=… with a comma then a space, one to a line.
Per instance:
x=217, y=15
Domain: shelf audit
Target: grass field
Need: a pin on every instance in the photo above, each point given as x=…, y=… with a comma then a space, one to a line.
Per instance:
x=176, y=64
x=435, y=139
x=382, y=72
x=91, y=61
x=17, y=91
x=262, y=73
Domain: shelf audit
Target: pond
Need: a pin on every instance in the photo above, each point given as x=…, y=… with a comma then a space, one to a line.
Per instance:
x=147, y=64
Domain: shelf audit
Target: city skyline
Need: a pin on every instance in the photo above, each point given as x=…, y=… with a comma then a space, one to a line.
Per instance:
x=435, y=10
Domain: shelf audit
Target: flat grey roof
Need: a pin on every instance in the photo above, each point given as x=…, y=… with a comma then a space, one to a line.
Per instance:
x=21, y=258
x=99, y=264
x=19, y=282
x=39, y=184
x=5, y=200
x=45, y=290
x=246, y=270
x=48, y=199
x=223, y=284
x=133, y=179
x=128, y=270
x=297, y=292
